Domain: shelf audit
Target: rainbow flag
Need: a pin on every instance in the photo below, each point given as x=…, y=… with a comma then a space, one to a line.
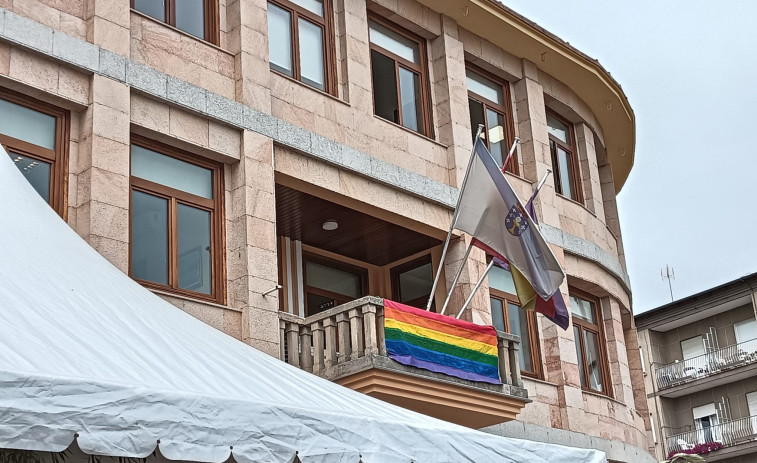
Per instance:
x=440, y=343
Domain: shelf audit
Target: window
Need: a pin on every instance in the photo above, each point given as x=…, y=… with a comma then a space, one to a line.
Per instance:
x=592, y=365
x=565, y=166
x=35, y=135
x=330, y=283
x=412, y=281
x=509, y=317
x=488, y=101
x=300, y=41
x=176, y=220
x=195, y=17
x=746, y=330
x=692, y=347
x=706, y=422
x=398, y=67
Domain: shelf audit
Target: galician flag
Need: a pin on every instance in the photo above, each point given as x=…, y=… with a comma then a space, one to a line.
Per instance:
x=490, y=210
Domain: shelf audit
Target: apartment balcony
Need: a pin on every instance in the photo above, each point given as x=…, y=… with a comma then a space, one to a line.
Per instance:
x=345, y=344
x=721, y=366
x=720, y=442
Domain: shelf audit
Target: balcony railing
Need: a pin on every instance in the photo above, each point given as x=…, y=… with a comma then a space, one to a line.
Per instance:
x=323, y=342
x=726, y=434
x=708, y=364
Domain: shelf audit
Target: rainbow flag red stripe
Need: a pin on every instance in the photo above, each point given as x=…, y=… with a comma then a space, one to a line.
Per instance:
x=440, y=343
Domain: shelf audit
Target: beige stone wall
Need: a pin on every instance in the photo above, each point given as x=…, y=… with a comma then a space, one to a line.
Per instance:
x=104, y=113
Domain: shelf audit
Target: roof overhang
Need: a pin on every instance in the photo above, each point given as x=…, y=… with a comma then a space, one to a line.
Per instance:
x=583, y=75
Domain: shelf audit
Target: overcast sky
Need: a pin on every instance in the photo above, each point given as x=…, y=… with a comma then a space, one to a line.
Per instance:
x=689, y=68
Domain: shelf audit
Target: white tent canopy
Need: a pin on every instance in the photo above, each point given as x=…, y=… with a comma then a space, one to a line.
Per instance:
x=87, y=354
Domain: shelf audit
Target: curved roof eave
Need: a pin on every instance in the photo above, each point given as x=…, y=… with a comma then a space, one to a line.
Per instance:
x=584, y=75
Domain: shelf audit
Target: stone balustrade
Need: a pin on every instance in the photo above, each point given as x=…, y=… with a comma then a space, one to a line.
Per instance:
x=323, y=342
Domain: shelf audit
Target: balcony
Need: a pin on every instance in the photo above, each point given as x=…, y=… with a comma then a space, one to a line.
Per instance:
x=725, y=365
x=345, y=344
x=719, y=442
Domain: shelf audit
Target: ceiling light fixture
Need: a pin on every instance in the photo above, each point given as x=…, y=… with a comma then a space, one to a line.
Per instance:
x=330, y=225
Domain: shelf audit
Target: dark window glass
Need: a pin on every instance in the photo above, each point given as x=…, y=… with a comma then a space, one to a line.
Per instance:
x=412, y=281
x=330, y=284
x=398, y=71
x=149, y=237
x=487, y=105
x=299, y=41
x=175, y=220
x=519, y=325
x=36, y=172
x=153, y=8
x=589, y=351
x=194, y=249
x=564, y=160
x=498, y=309
x=190, y=17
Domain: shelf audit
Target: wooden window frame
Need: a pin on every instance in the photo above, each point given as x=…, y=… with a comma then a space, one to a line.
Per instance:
x=317, y=258
x=572, y=151
x=396, y=271
x=597, y=329
x=326, y=23
x=211, y=19
x=505, y=110
x=214, y=206
x=57, y=157
x=426, y=127
x=533, y=332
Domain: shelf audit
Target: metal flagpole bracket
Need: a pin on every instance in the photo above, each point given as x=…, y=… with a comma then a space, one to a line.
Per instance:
x=475, y=288
x=454, y=218
x=275, y=288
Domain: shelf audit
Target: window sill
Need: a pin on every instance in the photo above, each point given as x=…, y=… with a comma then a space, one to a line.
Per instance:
x=318, y=91
x=601, y=395
x=192, y=299
x=535, y=379
x=425, y=137
x=181, y=32
x=573, y=201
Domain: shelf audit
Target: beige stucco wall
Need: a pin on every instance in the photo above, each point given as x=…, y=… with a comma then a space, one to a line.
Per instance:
x=105, y=112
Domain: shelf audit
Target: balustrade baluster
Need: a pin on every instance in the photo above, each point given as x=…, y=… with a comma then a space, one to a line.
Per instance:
x=371, y=334
x=318, y=347
x=329, y=326
x=515, y=363
x=503, y=353
x=293, y=343
x=343, y=332
x=356, y=332
x=306, y=349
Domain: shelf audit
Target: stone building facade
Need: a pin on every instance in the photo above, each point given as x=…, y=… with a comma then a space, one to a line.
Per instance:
x=700, y=355
x=197, y=146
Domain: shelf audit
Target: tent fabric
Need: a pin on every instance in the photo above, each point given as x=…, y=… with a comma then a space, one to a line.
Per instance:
x=87, y=354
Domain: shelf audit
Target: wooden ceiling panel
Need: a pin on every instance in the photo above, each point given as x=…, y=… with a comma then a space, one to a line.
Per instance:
x=360, y=236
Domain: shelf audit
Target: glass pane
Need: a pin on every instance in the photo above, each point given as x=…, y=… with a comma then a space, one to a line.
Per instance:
x=171, y=172
x=592, y=358
x=582, y=309
x=36, y=172
x=415, y=284
x=496, y=125
x=384, y=87
x=27, y=124
x=190, y=17
x=476, y=109
x=501, y=279
x=566, y=173
x=194, y=249
x=152, y=8
x=280, y=39
x=519, y=325
x=311, y=54
x=149, y=237
x=579, y=354
x=557, y=129
x=498, y=319
x=316, y=6
x=333, y=279
x=394, y=42
x=484, y=87
x=410, y=96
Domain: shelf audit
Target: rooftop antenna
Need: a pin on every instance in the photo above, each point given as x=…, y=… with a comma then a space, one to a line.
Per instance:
x=668, y=274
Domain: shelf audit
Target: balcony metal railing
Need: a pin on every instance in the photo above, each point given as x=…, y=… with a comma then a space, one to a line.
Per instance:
x=708, y=364
x=348, y=332
x=727, y=434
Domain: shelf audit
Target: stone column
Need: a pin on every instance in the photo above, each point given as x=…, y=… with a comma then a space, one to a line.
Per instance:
x=251, y=243
x=248, y=40
x=587, y=155
x=109, y=25
x=102, y=197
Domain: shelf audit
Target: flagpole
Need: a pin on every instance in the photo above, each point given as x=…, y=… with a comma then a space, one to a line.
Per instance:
x=454, y=218
x=457, y=277
x=475, y=288
x=510, y=154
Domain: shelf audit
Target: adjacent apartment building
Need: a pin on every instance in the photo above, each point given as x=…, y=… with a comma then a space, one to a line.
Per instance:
x=277, y=167
x=700, y=356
